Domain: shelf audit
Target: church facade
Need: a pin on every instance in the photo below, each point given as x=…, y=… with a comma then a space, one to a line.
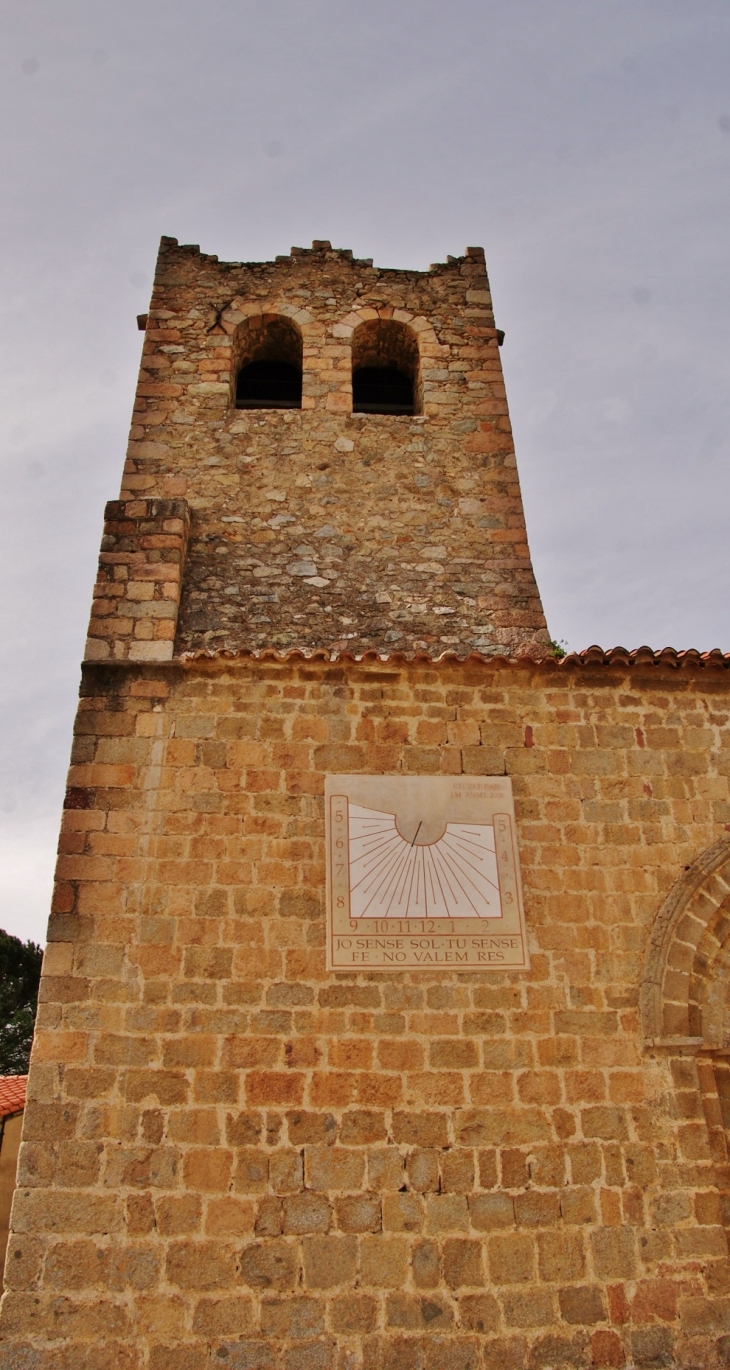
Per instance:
x=317, y=578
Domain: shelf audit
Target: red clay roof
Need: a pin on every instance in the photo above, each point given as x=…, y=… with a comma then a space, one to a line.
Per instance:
x=12, y=1094
x=590, y=656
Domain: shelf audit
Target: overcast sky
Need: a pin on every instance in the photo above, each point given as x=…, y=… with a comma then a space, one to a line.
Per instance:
x=585, y=145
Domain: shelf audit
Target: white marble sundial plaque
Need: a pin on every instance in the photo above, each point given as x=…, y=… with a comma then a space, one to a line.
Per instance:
x=422, y=871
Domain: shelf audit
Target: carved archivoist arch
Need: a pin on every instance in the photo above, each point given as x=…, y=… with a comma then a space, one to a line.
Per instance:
x=684, y=994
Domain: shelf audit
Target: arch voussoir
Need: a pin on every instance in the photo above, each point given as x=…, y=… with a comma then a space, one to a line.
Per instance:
x=686, y=951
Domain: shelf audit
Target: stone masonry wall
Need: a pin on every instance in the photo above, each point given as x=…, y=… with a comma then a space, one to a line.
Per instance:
x=318, y=527
x=234, y=1159
x=137, y=593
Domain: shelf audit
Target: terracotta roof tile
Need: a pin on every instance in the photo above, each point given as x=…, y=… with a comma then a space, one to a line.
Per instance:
x=590, y=656
x=647, y=656
x=12, y=1094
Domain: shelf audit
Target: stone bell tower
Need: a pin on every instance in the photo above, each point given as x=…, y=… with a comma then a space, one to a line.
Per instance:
x=386, y=517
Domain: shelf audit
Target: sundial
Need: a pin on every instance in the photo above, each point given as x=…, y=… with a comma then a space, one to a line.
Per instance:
x=422, y=871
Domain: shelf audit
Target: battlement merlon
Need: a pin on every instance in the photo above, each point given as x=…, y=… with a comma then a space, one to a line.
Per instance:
x=472, y=259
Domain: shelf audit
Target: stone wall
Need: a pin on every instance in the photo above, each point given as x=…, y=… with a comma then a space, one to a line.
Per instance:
x=318, y=527
x=232, y=1158
x=137, y=593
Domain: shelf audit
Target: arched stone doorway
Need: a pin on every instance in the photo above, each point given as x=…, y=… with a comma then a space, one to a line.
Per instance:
x=685, y=1008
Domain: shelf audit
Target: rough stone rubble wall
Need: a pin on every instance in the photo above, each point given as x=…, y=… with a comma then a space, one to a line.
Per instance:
x=234, y=1159
x=320, y=526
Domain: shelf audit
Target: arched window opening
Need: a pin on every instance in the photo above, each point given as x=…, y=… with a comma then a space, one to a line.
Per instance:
x=381, y=390
x=270, y=366
x=269, y=385
x=385, y=376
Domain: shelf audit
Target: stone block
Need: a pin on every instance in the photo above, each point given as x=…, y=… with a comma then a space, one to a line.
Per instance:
x=292, y=1317
x=418, y=1314
x=353, y=1313
x=223, y=1317
x=333, y=1168
x=307, y=1212
x=200, y=1266
x=229, y=1217
x=582, y=1304
x=490, y=1211
x=403, y=1213
x=361, y=1213
x=457, y=1172
x=528, y=1308
x=250, y=1353
x=425, y=1264
x=462, y=1262
x=511, y=1258
x=447, y=1213
x=269, y=1217
x=479, y=1313
x=652, y=1347
x=269, y=1265
x=505, y=1353
x=614, y=1252
x=286, y=1171
x=560, y=1256
x=383, y=1261
x=421, y=1129
x=385, y=1169
x=178, y=1214
x=361, y=1127
x=329, y=1261
x=423, y=1171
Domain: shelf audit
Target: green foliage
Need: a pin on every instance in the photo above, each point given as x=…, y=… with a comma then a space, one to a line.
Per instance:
x=560, y=649
x=20, y=973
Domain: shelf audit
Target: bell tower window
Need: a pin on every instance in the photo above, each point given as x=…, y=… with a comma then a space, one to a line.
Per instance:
x=270, y=366
x=385, y=371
